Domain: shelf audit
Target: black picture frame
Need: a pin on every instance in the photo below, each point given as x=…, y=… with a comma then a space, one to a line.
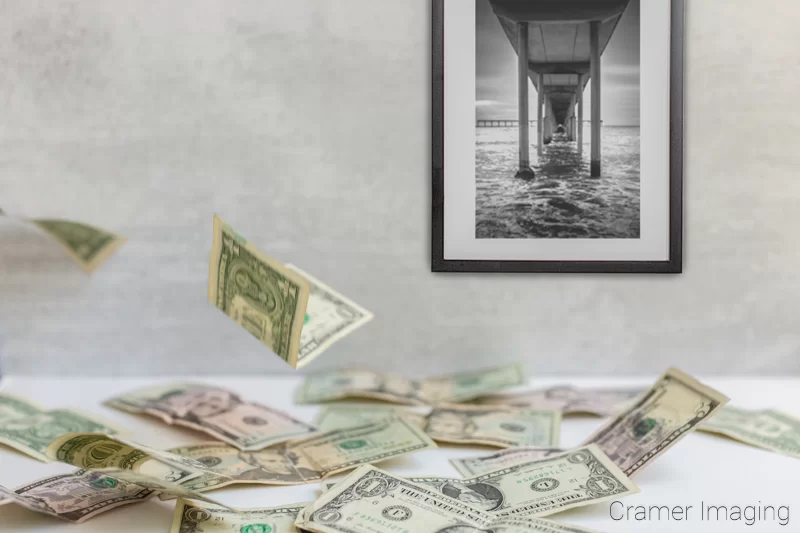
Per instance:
x=674, y=265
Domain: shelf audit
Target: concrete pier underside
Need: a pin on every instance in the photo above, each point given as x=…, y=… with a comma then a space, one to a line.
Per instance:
x=560, y=55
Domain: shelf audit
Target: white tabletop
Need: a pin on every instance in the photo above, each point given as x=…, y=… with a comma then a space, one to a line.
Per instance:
x=700, y=470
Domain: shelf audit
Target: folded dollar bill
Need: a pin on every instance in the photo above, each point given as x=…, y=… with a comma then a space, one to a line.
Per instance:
x=567, y=399
x=293, y=314
x=351, y=383
x=87, y=245
x=26, y=428
x=370, y=500
x=306, y=461
x=494, y=426
x=220, y=413
x=76, y=497
x=192, y=517
x=97, y=451
x=654, y=422
x=768, y=429
x=482, y=464
x=349, y=415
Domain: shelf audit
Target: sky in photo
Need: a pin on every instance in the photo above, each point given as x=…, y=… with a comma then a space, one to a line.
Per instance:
x=496, y=71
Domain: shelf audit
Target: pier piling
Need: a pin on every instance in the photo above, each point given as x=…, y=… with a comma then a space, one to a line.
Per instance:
x=594, y=43
x=580, y=114
x=524, y=112
x=539, y=113
x=549, y=120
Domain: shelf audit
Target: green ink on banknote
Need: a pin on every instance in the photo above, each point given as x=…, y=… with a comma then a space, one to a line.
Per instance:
x=256, y=528
x=353, y=444
x=104, y=483
x=644, y=427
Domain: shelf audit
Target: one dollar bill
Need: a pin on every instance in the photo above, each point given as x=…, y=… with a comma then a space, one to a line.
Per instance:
x=673, y=407
x=29, y=428
x=464, y=386
x=353, y=383
x=541, y=487
x=14, y=407
x=33, y=433
x=192, y=517
x=215, y=411
x=294, y=314
x=771, y=430
x=257, y=292
x=370, y=500
x=350, y=415
x=494, y=426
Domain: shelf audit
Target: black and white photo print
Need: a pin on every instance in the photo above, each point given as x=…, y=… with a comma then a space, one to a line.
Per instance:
x=570, y=186
x=557, y=135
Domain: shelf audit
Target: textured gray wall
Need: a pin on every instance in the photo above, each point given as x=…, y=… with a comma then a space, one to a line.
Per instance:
x=305, y=125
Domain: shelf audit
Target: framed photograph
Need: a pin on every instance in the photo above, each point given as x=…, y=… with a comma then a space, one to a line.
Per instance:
x=557, y=136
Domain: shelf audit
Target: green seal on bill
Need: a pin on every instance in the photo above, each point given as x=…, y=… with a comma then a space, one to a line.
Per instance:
x=256, y=528
x=104, y=483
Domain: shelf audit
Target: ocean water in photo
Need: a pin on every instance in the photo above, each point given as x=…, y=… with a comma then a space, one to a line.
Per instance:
x=563, y=201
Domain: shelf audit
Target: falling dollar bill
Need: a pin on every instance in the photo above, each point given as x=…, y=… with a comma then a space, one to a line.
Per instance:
x=330, y=316
x=192, y=517
x=370, y=500
x=494, y=426
x=657, y=420
x=308, y=460
x=76, y=497
x=218, y=412
x=294, y=314
x=88, y=246
x=768, y=429
x=30, y=434
x=341, y=384
x=257, y=292
x=567, y=399
x=482, y=464
x=350, y=415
